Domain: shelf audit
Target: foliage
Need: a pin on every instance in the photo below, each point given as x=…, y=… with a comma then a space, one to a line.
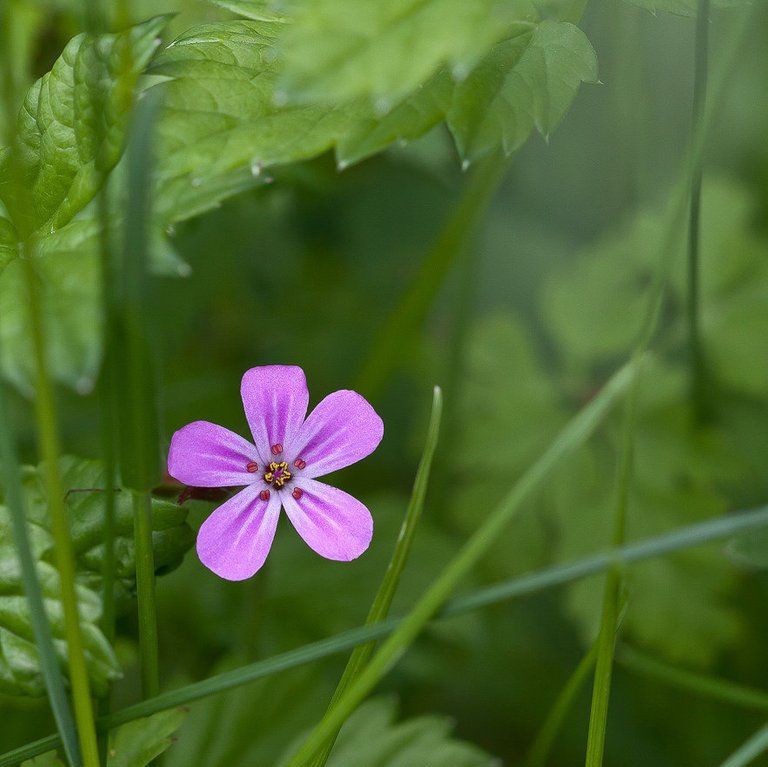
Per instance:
x=84, y=483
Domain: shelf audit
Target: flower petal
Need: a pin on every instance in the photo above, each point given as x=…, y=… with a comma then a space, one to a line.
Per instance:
x=275, y=399
x=204, y=454
x=341, y=430
x=235, y=540
x=331, y=522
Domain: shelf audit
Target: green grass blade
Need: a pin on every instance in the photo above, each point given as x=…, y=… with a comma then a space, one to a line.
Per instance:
x=521, y=586
x=387, y=350
x=386, y=593
x=698, y=372
x=699, y=684
x=49, y=665
x=576, y=432
x=609, y=620
x=542, y=746
x=756, y=745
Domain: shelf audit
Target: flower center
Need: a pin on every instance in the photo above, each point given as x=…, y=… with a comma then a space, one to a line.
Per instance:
x=277, y=474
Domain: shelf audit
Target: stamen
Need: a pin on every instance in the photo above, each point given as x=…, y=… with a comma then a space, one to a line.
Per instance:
x=299, y=463
x=277, y=449
x=252, y=467
x=264, y=495
x=277, y=474
x=297, y=492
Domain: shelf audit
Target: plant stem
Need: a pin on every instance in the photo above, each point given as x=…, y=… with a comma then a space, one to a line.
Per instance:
x=45, y=410
x=698, y=372
x=539, y=753
x=145, y=587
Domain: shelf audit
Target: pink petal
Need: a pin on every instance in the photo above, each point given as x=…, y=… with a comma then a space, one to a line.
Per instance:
x=340, y=431
x=331, y=522
x=235, y=540
x=203, y=454
x=275, y=399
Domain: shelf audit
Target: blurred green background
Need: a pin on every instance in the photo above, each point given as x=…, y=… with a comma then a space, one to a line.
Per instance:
x=527, y=324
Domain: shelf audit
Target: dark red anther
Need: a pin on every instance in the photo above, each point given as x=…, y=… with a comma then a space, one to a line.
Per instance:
x=264, y=495
x=299, y=463
x=252, y=467
x=277, y=449
x=297, y=492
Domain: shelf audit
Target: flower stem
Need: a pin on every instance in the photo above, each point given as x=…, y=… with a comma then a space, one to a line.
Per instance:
x=45, y=410
x=145, y=588
x=698, y=373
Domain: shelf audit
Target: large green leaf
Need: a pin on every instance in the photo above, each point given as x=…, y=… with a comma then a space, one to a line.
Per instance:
x=19, y=660
x=335, y=50
x=84, y=483
x=85, y=487
x=372, y=736
x=525, y=82
x=73, y=124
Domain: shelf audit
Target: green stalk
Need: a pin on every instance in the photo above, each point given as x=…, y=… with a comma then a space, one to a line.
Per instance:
x=386, y=593
x=521, y=586
x=601, y=689
x=542, y=746
x=749, y=751
x=387, y=350
x=45, y=410
x=49, y=664
x=139, y=443
x=145, y=588
x=698, y=373
x=574, y=434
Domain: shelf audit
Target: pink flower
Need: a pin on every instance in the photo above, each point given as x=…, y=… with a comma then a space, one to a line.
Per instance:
x=280, y=470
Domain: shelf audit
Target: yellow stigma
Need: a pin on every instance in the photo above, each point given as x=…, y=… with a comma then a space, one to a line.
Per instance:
x=277, y=474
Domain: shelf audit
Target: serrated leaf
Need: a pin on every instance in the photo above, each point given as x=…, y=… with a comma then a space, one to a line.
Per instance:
x=525, y=82
x=683, y=7
x=62, y=133
x=83, y=481
x=19, y=669
x=19, y=664
x=256, y=10
x=373, y=737
x=335, y=51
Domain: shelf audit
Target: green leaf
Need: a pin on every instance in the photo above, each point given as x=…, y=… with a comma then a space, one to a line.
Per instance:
x=335, y=51
x=525, y=82
x=221, y=126
x=373, y=737
x=407, y=120
x=684, y=7
x=256, y=10
x=84, y=482
x=8, y=240
x=73, y=123
x=134, y=744
x=137, y=743
x=19, y=664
